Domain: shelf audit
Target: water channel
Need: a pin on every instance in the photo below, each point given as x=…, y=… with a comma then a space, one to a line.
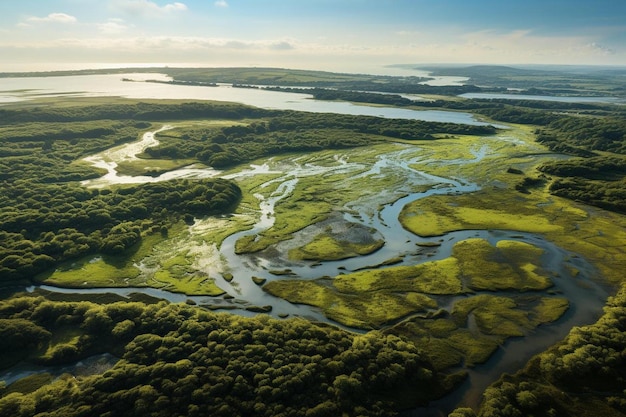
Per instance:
x=534, y=97
x=586, y=298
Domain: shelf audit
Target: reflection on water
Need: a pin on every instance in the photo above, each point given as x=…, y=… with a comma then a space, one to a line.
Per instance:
x=15, y=89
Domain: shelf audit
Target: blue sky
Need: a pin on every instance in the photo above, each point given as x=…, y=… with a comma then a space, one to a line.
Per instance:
x=340, y=35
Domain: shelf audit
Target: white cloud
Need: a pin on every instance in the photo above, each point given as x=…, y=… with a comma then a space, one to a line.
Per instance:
x=600, y=48
x=221, y=3
x=146, y=8
x=54, y=18
x=526, y=46
x=485, y=46
x=112, y=27
x=157, y=43
x=281, y=46
x=175, y=7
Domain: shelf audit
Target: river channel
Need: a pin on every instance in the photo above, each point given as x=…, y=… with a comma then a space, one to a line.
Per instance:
x=586, y=297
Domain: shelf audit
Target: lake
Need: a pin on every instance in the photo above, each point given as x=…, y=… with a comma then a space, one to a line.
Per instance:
x=28, y=88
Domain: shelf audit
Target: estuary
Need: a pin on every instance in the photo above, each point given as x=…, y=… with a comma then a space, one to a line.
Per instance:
x=241, y=275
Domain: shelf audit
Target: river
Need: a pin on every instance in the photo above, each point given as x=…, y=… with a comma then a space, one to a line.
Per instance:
x=586, y=297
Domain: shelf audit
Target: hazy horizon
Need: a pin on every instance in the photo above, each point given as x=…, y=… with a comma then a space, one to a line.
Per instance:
x=341, y=36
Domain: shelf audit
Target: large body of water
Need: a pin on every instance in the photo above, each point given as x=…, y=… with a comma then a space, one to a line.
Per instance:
x=28, y=88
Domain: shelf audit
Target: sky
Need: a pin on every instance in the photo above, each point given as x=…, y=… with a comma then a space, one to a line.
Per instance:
x=337, y=35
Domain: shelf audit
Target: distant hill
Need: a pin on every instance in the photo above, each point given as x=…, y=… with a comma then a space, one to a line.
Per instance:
x=545, y=79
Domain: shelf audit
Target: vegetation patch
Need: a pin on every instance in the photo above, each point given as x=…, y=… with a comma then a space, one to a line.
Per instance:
x=504, y=316
x=549, y=309
x=192, y=284
x=446, y=343
x=507, y=265
x=589, y=233
x=436, y=277
x=438, y=215
x=177, y=261
x=180, y=357
x=150, y=167
x=583, y=375
x=339, y=240
x=477, y=326
x=363, y=310
x=357, y=298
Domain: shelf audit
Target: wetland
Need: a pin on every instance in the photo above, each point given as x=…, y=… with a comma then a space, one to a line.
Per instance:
x=417, y=231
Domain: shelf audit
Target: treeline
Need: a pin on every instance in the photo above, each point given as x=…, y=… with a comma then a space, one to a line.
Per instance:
x=44, y=224
x=361, y=97
x=609, y=195
x=389, y=95
x=295, y=132
x=521, y=115
x=376, y=94
x=585, y=375
x=606, y=134
x=598, y=176
x=140, y=111
x=46, y=152
x=400, y=86
x=182, y=360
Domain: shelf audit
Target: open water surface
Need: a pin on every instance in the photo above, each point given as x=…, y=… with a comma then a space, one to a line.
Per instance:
x=18, y=89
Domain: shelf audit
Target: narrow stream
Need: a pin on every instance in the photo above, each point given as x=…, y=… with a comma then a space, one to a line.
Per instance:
x=93, y=365
x=586, y=298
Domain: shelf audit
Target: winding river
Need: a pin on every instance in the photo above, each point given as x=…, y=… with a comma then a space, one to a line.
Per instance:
x=586, y=297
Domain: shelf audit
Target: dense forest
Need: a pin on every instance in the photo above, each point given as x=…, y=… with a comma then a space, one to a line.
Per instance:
x=585, y=375
x=296, y=132
x=44, y=224
x=179, y=360
x=598, y=175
